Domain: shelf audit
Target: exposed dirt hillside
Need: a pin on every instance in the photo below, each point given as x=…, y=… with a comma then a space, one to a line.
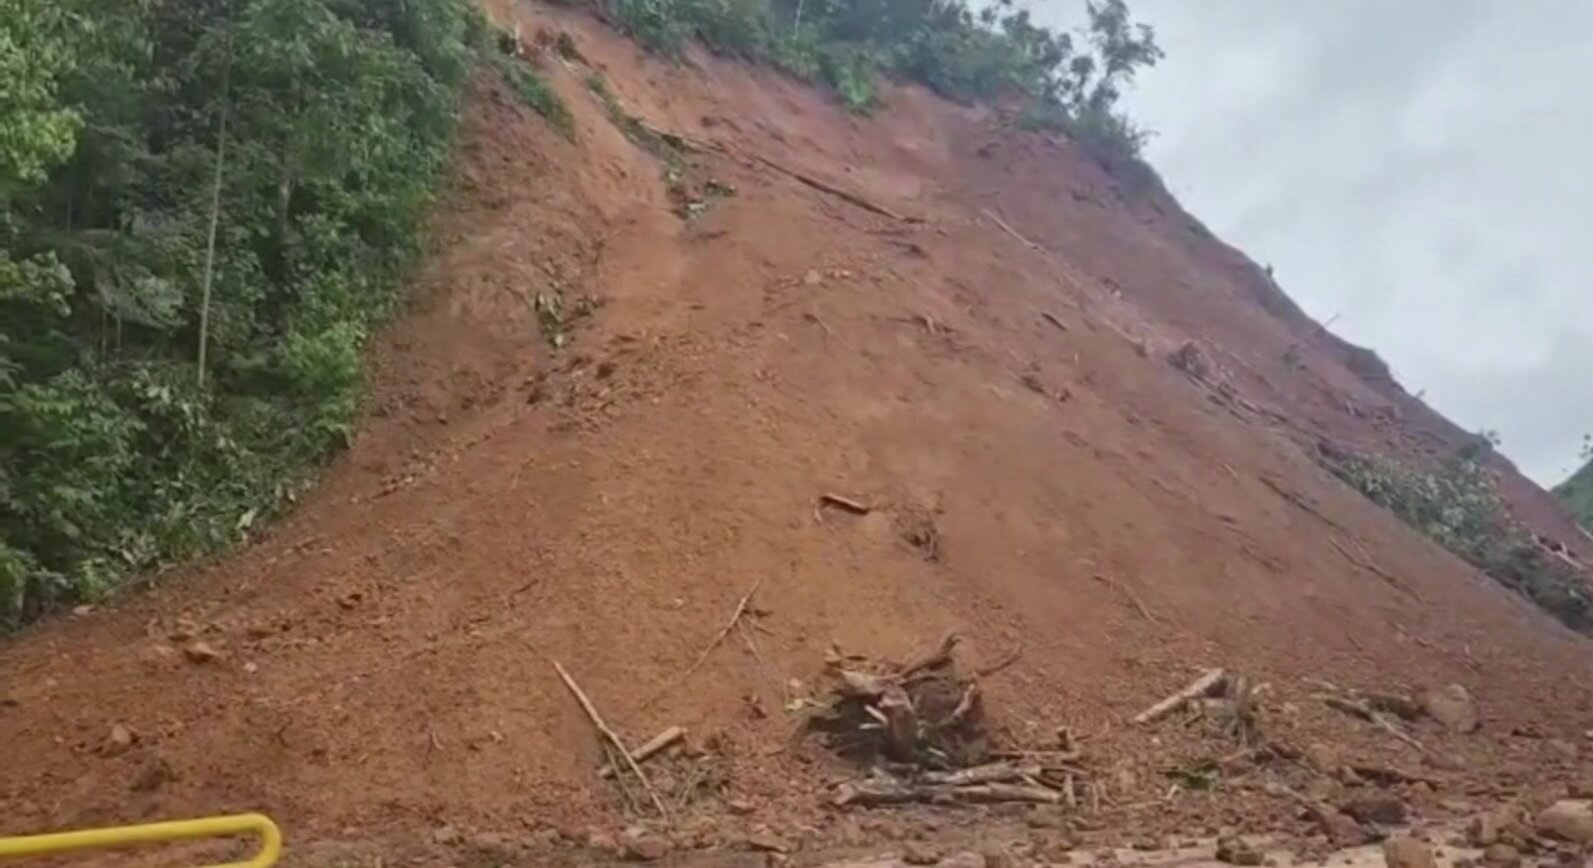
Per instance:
x=988, y=372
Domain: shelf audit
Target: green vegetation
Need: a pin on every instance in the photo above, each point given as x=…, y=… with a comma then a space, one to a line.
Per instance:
x=533, y=91
x=205, y=206
x=1457, y=504
x=1577, y=492
x=1069, y=82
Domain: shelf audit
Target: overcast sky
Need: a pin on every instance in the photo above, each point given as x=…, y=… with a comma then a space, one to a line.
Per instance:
x=1420, y=168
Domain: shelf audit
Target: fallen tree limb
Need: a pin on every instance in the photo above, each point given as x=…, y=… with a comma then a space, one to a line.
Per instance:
x=845, y=503
x=844, y=195
x=1130, y=595
x=1375, y=570
x=894, y=792
x=934, y=659
x=1013, y=232
x=654, y=745
x=741, y=609
x=1394, y=775
x=1001, y=664
x=990, y=773
x=1206, y=685
x=1356, y=708
x=619, y=746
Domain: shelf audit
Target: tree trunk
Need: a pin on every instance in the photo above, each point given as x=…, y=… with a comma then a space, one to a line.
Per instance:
x=215, y=219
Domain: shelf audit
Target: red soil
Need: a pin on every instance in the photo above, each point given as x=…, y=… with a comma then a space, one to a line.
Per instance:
x=385, y=650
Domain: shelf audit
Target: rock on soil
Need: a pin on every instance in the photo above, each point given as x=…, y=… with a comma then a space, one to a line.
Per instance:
x=1483, y=830
x=1451, y=706
x=1235, y=850
x=200, y=652
x=1381, y=808
x=1405, y=852
x=121, y=738
x=917, y=853
x=1501, y=856
x=640, y=846
x=1568, y=821
x=768, y=842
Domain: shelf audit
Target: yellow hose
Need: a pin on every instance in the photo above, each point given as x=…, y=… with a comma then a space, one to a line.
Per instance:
x=179, y=830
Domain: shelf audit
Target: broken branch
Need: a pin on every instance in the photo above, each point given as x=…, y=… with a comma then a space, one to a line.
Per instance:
x=894, y=792
x=619, y=746
x=735, y=617
x=654, y=745
x=844, y=195
x=934, y=659
x=1132, y=597
x=845, y=503
x=1206, y=685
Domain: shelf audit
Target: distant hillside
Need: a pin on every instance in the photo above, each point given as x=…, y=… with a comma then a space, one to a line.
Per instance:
x=1577, y=492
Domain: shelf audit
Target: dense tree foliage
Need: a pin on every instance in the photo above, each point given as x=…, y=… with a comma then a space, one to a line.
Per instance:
x=1064, y=81
x=233, y=181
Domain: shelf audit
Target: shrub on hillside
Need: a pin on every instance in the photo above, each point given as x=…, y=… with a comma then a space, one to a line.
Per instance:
x=1069, y=82
x=1577, y=492
x=1457, y=504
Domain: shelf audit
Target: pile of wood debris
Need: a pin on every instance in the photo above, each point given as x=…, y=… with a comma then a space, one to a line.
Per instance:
x=919, y=730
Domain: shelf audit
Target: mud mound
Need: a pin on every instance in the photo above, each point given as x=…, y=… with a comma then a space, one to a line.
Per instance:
x=961, y=329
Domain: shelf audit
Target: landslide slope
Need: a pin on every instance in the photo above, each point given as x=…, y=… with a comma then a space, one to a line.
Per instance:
x=987, y=370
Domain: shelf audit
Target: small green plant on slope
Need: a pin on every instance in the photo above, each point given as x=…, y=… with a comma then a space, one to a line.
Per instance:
x=1457, y=504
x=532, y=89
x=1071, y=82
x=1577, y=492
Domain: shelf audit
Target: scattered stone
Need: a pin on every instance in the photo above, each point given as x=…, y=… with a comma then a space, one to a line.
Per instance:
x=1380, y=808
x=445, y=835
x=767, y=842
x=1501, y=856
x=997, y=858
x=1566, y=750
x=738, y=806
x=120, y=741
x=82, y=611
x=919, y=853
x=1042, y=820
x=1403, y=852
x=184, y=630
x=968, y=859
x=639, y=846
x=251, y=667
x=602, y=842
x=154, y=775
x=1451, y=706
x=1344, y=831
x=489, y=841
x=813, y=277
x=200, y=652
x=1567, y=821
x=1235, y=850
x=1483, y=830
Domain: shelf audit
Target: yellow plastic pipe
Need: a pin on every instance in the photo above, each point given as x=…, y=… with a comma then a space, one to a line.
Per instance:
x=179, y=830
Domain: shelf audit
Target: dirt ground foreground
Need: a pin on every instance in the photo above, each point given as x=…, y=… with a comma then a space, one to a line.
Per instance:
x=900, y=376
